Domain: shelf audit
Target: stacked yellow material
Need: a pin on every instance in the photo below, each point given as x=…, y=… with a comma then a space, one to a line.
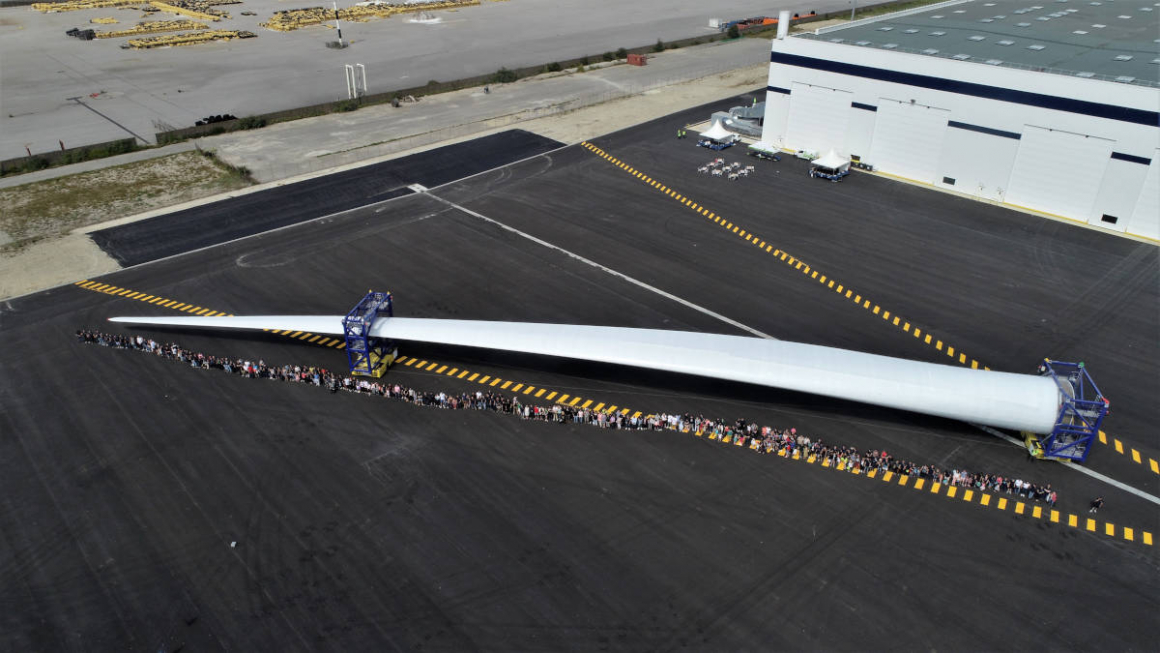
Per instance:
x=103, y=21
x=153, y=28
x=286, y=21
x=189, y=38
x=80, y=5
x=173, y=9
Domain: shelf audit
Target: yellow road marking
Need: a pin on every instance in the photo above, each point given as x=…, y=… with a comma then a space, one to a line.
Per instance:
x=903, y=479
x=441, y=368
x=1073, y=521
x=918, y=483
x=1147, y=538
x=1054, y=516
x=1002, y=504
x=1154, y=465
x=494, y=382
x=935, y=487
x=1019, y=507
x=484, y=379
x=542, y=391
x=586, y=404
x=1119, y=445
x=505, y=385
x=516, y=387
x=1109, y=529
x=1135, y=456
x=1091, y=525
x=1103, y=438
x=550, y=395
x=887, y=476
x=1037, y=512
x=314, y=339
x=452, y=371
x=575, y=400
x=473, y=376
x=465, y=373
x=968, y=494
x=431, y=367
x=563, y=398
x=952, y=490
x=1129, y=534
x=985, y=500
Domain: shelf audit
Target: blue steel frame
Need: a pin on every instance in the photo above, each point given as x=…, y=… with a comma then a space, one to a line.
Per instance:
x=1080, y=415
x=367, y=355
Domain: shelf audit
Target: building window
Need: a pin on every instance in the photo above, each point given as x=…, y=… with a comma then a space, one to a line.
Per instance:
x=1110, y=219
x=949, y=181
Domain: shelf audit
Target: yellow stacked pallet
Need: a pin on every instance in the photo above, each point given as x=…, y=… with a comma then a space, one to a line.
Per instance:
x=286, y=21
x=153, y=28
x=173, y=9
x=103, y=21
x=189, y=38
x=80, y=5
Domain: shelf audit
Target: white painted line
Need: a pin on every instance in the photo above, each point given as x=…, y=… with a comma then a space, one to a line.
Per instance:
x=1083, y=470
x=621, y=275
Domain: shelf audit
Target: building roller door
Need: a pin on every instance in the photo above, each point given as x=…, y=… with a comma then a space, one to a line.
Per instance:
x=908, y=140
x=1146, y=218
x=1058, y=172
x=817, y=118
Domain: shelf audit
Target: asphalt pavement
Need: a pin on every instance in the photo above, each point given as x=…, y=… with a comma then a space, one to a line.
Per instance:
x=148, y=504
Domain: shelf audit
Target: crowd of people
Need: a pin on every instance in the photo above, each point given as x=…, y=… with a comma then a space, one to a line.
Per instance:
x=763, y=439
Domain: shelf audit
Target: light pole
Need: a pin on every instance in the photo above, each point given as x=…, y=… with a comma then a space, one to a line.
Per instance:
x=853, y=8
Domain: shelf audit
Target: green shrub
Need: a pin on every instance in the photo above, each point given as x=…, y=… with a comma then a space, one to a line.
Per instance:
x=734, y=32
x=252, y=122
x=659, y=47
x=621, y=53
x=504, y=76
x=608, y=56
x=554, y=67
x=347, y=105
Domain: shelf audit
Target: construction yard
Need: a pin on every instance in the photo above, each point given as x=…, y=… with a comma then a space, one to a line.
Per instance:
x=74, y=91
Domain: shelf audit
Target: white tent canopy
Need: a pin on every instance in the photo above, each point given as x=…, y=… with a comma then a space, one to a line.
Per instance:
x=832, y=161
x=1014, y=401
x=718, y=133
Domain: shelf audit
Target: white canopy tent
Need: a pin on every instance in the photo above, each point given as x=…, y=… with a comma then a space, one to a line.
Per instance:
x=832, y=161
x=1014, y=401
x=718, y=133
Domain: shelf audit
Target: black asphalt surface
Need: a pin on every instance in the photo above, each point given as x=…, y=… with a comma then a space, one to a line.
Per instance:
x=368, y=524
x=220, y=222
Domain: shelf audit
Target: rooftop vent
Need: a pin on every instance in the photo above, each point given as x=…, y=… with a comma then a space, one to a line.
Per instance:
x=1123, y=17
x=994, y=62
x=1080, y=31
x=885, y=29
x=1098, y=25
x=937, y=16
x=986, y=20
x=1127, y=79
x=1122, y=57
x=837, y=40
x=961, y=57
x=1085, y=74
x=861, y=42
x=938, y=33
x=988, y=4
x=978, y=38
x=889, y=46
x=930, y=51
x=1022, y=24
x=1156, y=61
x=1000, y=17
x=1043, y=18
x=1005, y=42
x=960, y=11
x=1035, y=47
x=910, y=31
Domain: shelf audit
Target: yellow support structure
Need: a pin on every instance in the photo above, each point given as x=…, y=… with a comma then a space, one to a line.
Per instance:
x=172, y=9
x=80, y=5
x=188, y=38
x=153, y=28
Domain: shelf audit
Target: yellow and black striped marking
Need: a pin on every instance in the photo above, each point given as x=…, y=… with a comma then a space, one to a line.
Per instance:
x=193, y=309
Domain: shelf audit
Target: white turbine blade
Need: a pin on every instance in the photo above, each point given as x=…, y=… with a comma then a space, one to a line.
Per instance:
x=317, y=324
x=1014, y=401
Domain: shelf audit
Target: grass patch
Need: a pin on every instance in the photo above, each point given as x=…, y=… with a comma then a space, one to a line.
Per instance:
x=53, y=207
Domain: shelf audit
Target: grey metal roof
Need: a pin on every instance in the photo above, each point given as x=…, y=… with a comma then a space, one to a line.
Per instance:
x=1115, y=40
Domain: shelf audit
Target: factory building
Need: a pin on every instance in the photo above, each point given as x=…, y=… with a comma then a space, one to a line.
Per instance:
x=1050, y=105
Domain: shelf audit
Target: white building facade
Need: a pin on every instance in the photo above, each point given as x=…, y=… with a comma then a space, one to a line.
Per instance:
x=1082, y=149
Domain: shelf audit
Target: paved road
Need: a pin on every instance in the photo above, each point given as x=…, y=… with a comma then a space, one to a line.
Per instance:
x=55, y=87
x=225, y=220
x=364, y=523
